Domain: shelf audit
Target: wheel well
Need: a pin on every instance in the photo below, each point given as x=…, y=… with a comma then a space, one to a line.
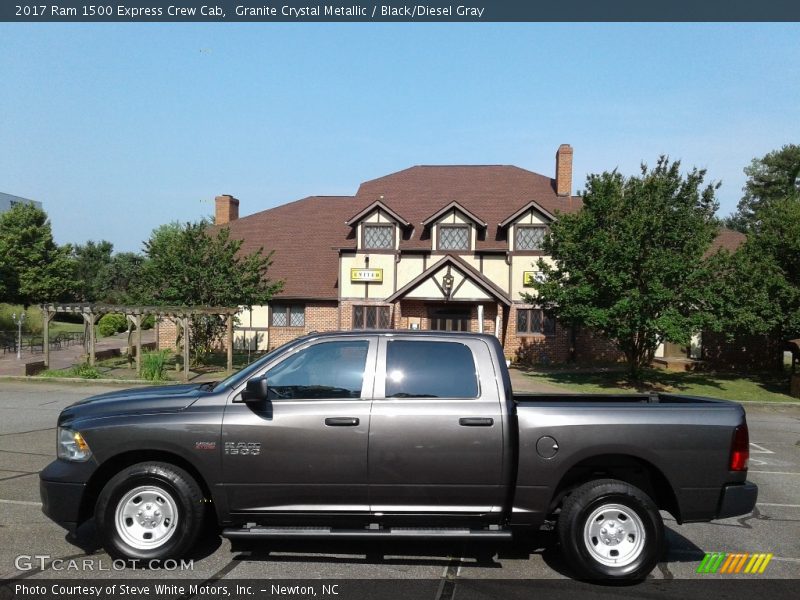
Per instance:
x=630, y=469
x=116, y=463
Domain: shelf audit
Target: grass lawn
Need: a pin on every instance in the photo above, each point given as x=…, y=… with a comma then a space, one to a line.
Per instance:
x=763, y=387
x=61, y=327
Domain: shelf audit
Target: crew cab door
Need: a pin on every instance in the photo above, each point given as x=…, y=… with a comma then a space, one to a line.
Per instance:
x=436, y=432
x=305, y=449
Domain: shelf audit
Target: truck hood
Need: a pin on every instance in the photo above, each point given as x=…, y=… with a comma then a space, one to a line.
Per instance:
x=166, y=398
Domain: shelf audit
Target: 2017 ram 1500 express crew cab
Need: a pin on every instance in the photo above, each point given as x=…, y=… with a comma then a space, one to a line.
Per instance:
x=396, y=434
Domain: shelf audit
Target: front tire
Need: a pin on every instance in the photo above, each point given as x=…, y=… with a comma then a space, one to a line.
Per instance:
x=609, y=529
x=150, y=511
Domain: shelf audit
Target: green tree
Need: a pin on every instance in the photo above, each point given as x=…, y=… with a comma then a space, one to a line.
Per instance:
x=771, y=178
x=192, y=264
x=33, y=268
x=119, y=278
x=757, y=289
x=92, y=261
x=631, y=264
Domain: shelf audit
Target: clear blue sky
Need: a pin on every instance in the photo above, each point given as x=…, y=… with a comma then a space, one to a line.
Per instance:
x=119, y=128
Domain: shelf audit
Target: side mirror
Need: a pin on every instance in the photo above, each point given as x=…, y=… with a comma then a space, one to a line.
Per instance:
x=255, y=391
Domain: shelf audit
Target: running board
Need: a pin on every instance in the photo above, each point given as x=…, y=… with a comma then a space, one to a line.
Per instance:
x=395, y=533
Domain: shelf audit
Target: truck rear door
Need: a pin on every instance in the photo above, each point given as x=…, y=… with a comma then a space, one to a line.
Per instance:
x=436, y=430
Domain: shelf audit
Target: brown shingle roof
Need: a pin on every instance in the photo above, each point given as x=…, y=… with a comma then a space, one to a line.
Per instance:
x=490, y=192
x=728, y=239
x=304, y=235
x=307, y=233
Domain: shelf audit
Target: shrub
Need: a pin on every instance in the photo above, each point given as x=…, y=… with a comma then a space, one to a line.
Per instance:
x=154, y=365
x=85, y=371
x=112, y=323
x=149, y=322
x=33, y=318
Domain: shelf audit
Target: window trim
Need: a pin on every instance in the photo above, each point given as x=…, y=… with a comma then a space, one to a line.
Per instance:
x=528, y=226
x=528, y=332
x=365, y=248
x=441, y=226
x=288, y=312
x=366, y=307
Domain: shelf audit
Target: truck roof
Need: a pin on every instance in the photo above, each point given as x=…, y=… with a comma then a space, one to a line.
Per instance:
x=396, y=332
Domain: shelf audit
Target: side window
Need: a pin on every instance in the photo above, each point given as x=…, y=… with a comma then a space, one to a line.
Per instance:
x=324, y=370
x=417, y=369
x=529, y=238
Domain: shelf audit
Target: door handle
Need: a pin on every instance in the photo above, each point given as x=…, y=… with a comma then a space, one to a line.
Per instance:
x=476, y=421
x=342, y=421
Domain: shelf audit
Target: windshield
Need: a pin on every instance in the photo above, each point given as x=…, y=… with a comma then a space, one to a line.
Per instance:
x=240, y=376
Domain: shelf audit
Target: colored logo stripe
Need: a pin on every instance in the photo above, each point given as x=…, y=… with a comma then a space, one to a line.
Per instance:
x=734, y=562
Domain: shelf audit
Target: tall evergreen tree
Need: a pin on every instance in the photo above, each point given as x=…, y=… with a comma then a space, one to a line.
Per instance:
x=33, y=268
x=772, y=178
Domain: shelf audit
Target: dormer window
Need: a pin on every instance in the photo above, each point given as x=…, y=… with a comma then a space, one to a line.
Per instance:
x=378, y=237
x=453, y=237
x=529, y=237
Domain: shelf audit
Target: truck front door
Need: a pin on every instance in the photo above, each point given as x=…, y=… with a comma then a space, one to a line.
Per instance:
x=436, y=432
x=304, y=450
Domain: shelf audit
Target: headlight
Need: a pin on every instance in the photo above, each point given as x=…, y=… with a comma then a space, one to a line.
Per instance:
x=72, y=446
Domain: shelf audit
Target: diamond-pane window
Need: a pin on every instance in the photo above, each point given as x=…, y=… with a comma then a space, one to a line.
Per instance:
x=522, y=320
x=371, y=317
x=358, y=317
x=297, y=316
x=454, y=238
x=535, y=321
x=383, y=318
x=529, y=238
x=379, y=237
x=279, y=316
x=284, y=315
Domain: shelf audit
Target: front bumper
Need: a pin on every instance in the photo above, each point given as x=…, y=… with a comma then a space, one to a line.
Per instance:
x=61, y=487
x=737, y=499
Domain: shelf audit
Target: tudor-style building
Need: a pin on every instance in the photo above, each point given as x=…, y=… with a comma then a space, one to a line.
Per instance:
x=429, y=247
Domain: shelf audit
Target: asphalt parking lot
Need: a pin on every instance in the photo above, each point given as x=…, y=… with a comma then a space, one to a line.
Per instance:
x=28, y=414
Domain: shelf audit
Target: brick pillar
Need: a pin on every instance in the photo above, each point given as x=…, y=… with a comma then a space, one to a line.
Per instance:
x=564, y=170
x=227, y=209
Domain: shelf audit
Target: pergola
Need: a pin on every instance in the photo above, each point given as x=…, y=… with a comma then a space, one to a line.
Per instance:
x=179, y=314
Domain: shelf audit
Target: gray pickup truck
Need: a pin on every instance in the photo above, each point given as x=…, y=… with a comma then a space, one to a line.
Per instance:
x=395, y=435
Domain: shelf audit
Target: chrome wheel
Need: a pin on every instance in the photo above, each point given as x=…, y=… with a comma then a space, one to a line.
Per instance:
x=146, y=517
x=614, y=535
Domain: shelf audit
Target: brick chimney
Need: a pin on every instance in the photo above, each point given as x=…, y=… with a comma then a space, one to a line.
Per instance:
x=227, y=209
x=564, y=170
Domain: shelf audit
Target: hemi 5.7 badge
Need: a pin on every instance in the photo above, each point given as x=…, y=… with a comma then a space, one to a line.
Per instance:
x=205, y=445
x=243, y=448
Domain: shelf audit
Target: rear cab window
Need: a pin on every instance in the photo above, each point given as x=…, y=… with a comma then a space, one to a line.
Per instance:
x=430, y=369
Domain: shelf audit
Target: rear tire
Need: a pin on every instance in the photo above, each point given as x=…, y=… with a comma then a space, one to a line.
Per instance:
x=609, y=529
x=150, y=511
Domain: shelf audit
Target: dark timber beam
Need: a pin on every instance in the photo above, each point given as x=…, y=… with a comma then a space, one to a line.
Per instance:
x=230, y=343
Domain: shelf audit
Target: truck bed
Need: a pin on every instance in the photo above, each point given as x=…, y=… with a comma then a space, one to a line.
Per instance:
x=684, y=440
